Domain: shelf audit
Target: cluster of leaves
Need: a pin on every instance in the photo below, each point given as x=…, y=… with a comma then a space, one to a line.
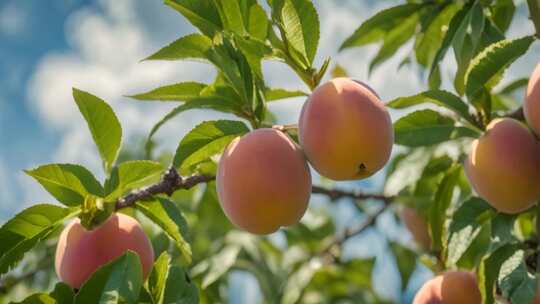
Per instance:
x=235, y=37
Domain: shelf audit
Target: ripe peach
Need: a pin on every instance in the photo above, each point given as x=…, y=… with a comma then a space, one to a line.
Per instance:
x=531, y=107
x=263, y=181
x=417, y=225
x=504, y=166
x=452, y=287
x=80, y=252
x=345, y=130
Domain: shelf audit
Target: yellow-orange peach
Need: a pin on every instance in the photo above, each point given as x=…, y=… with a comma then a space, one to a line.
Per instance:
x=417, y=225
x=504, y=166
x=452, y=287
x=263, y=181
x=345, y=130
x=80, y=252
x=531, y=107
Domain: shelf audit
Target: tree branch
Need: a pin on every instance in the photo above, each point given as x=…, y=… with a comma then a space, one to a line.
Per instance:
x=335, y=194
x=170, y=183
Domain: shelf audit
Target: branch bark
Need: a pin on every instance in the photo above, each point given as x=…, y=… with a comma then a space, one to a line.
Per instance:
x=517, y=114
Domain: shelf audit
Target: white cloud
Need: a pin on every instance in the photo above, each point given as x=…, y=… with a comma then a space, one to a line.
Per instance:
x=13, y=19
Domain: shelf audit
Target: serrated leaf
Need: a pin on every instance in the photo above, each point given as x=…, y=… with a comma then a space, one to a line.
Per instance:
x=132, y=174
x=220, y=263
x=26, y=229
x=103, y=125
x=203, y=14
x=441, y=203
x=207, y=139
x=301, y=26
x=428, y=127
x=465, y=225
x=457, y=27
x=168, y=217
x=119, y=281
x=487, y=67
x=258, y=23
x=170, y=284
x=488, y=271
x=68, y=183
x=437, y=97
x=279, y=94
x=194, y=46
x=175, y=92
x=377, y=27
x=430, y=41
x=516, y=283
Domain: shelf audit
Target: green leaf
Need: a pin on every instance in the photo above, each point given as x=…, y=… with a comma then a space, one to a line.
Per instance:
x=63, y=294
x=437, y=97
x=132, y=174
x=38, y=298
x=301, y=26
x=457, y=27
x=119, y=281
x=502, y=231
x=207, y=139
x=175, y=92
x=103, y=125
x=298, y=281
x=437, y=212
x=487, y=67
x=488, y=271
x=203, y=14
x=220, y=263
x=465, y=226
x=502, y=13
x=171, y=284
x=516, y=283
x=394, y=39
x=406, y=262
x=168, y=217
x=428, y=127
x=26, y=229
x=514, y=86
x=431, y=40
x=258, y=23
x=194, y=46
x=231, y=16
x=377, y=27
x=68, y=183
x=278, y=94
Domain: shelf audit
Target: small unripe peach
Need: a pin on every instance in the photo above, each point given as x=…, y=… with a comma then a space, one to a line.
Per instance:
x=531, y=107
x=504, y=166
x=80, y=252
x=345, y=130
x=417, y=225
x=263, y=181
x=452, y=287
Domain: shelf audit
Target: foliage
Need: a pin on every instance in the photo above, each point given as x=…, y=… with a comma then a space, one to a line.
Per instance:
x=195, y=244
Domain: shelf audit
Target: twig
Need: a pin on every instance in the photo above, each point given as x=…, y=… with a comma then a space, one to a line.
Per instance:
x=171, y=182
x=335, y=194
x=352, y=231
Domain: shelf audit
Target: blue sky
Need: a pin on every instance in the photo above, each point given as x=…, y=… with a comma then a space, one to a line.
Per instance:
x=48, y=47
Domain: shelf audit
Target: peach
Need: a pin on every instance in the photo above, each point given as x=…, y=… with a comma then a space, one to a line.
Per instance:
x=417, y=225
x=345, y=130
x=504, y=166
x=531, y=107
x=80, y=252
x=263, y=181
x=452, y=287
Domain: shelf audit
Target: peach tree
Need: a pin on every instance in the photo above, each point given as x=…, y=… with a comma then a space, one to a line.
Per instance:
x=463, y=178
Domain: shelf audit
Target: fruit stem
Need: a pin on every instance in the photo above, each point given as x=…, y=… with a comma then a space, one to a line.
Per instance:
x=534, y=11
